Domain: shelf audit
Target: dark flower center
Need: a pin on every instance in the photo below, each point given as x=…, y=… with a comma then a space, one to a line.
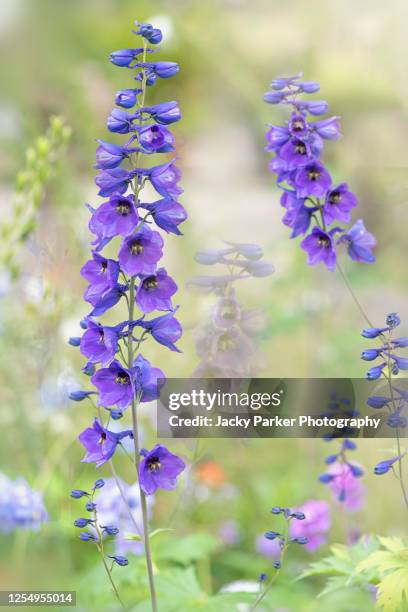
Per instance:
x=101, y=336
x=122, y=379
x=300, y=148
x=136, y=248
x=150, y=283
x=313, y=174
x=298, y=125
x=102, y=438
x=153, y=464
x=123, y=207
x=225, y=342
x=323, y=242
x=335, y=197
x=104, y=266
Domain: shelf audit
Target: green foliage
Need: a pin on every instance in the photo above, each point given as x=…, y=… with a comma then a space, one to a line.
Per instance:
x=392, y=566
x=381, y=562
x=31, y=183
x=339, y=568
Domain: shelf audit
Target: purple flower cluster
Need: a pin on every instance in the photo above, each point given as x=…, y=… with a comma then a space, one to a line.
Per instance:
x=225, y=341
x=396, y=398
x=342, y=477
x=314, y=206
x=20, y=506
x=122, y=376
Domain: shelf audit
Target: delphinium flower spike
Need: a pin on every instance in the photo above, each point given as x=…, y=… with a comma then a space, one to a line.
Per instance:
x=388, y=364
x=285, y=539
x=225, y=340
x=314, y=206
x=120, y=374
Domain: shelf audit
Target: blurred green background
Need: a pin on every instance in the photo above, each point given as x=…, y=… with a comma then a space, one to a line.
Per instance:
x=55, y=62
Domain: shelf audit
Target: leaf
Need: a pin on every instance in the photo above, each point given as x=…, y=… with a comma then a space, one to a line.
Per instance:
x=392, y=544
x=152, y=534
x=186, y=550
x=392, y=594
x=177, y=589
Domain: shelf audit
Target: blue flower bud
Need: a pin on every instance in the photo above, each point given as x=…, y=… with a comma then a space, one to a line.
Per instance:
x=83, y=522
x=127, y=97
x=86, y=536
x=271, y=535
x=84, y=324
x=384, y=466
x=273, y=97
x=90, y=506
x=308, y=86
x=277, y=564
x=300, y=516
x=330, y=459
x=120, y=121
x=325, y=478
x=116, y=414
x=373, y=332
x=301, y=540
x=370, y=354
x=165, y=70
x=378, y=401
x=123, y=57
x=276, y=510
x=78, y=396
x=349, y=445
x=393, y=320
x=119, y=559
x=99, y=483
x=375, y=372
x=78, y=493
x=89, y=369
x=400, y=342
x=110, y=530
x=355, y=470
x=74, y=341
x=262, y=577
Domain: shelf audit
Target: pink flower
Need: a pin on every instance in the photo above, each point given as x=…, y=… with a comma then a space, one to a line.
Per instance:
x=314, y=526
x=345, y=487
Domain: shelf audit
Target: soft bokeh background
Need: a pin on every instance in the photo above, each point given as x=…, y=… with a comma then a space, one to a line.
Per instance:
x=55, y=62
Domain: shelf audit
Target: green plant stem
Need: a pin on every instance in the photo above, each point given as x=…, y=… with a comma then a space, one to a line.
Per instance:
x=99, y=546
x=137, y=185
x=268, y=586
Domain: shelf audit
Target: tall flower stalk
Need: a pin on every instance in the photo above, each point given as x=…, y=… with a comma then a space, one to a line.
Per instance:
x=314, y=207
x=122, y=376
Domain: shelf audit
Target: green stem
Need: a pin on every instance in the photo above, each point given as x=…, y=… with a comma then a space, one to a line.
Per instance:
x=99, y=546
x=137, y=185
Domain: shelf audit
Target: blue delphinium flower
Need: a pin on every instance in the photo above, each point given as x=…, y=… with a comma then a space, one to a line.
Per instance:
x=20, y=506
x=396, y=399
x=119, y=372
x=309, y=195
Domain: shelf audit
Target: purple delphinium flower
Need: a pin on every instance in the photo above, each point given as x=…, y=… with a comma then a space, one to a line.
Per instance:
x=117, y=217
x=121, y=375
x=99, y=343
x=167, y=214
x=308, y=191
x=159, y=469
x=319, y=246
x=155, y=291
x=100, y=443
x=165, y=329
x=314, y=526
x=359, y=243
x=140, y=252
x=115, y=385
